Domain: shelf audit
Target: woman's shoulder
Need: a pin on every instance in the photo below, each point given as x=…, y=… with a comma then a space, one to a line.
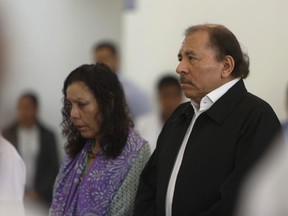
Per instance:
x=136, y=148
x=135, y=138
x=134, y=143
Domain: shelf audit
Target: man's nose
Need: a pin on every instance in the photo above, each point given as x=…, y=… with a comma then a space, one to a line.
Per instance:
x=182, y=67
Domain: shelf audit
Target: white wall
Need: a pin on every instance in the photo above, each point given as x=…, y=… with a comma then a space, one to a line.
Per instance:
x=47, y=40
x=152, y=35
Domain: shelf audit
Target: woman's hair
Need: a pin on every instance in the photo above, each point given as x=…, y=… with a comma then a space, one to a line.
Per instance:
x=115, y=120
x=225, y=43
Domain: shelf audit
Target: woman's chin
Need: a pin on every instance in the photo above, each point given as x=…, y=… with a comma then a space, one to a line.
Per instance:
x=87, y=135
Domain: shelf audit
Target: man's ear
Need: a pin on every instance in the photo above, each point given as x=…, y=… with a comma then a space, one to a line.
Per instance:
x=228, y=66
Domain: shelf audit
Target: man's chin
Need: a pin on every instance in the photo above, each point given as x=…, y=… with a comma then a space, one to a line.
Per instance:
x=188, y=93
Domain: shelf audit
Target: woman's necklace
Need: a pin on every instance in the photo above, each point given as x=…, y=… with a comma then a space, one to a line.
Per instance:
x=92, y=152
x=91, y=155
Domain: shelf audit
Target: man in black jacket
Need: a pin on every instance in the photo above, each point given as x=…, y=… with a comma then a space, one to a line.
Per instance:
x=37, y=146
x=208, y=145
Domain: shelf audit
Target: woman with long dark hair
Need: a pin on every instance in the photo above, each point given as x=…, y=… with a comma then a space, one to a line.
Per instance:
x=104, y=155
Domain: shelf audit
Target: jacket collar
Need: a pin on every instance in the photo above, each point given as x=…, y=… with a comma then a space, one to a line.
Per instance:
x=218, y=111
x=224, y=105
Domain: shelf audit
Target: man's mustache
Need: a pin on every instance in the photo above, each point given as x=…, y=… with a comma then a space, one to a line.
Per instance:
x=183, y=80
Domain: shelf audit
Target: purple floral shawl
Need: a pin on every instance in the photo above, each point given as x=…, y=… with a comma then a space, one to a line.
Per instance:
x=93, y=195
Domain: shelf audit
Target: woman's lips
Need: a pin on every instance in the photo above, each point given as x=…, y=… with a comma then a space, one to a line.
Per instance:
x=80, y=127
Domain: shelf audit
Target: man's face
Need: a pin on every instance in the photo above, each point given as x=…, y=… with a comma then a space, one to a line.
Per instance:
x=26, y=112
x=106, y=56
x=200, y=72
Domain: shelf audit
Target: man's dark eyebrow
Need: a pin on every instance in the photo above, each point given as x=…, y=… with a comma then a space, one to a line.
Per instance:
x=186, y=53
x=189, y=52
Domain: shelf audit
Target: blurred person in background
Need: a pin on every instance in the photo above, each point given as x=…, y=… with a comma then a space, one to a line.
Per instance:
x=285, y=123
x=265, y=191
x=138, y=101
x=12, y=180
x=169, y=96
x=12, y=167
x=104, y=155
x=37, y=146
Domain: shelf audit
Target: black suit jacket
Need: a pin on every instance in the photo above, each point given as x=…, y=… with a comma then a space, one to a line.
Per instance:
x=47, y=164
x=224, y=144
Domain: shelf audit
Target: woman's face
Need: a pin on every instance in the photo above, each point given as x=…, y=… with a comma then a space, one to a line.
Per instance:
x=84, y=113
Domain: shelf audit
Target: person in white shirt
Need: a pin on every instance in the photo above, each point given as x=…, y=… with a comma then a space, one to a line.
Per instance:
x=169, y=96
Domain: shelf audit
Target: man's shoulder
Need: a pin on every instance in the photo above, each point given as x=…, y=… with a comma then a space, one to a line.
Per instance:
x=10, y=132
x=239, y=97
x=45, y=129
x=10, y=127
x=258, y=103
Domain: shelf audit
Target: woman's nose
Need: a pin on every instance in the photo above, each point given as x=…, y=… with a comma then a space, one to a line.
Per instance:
x=74, y=112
